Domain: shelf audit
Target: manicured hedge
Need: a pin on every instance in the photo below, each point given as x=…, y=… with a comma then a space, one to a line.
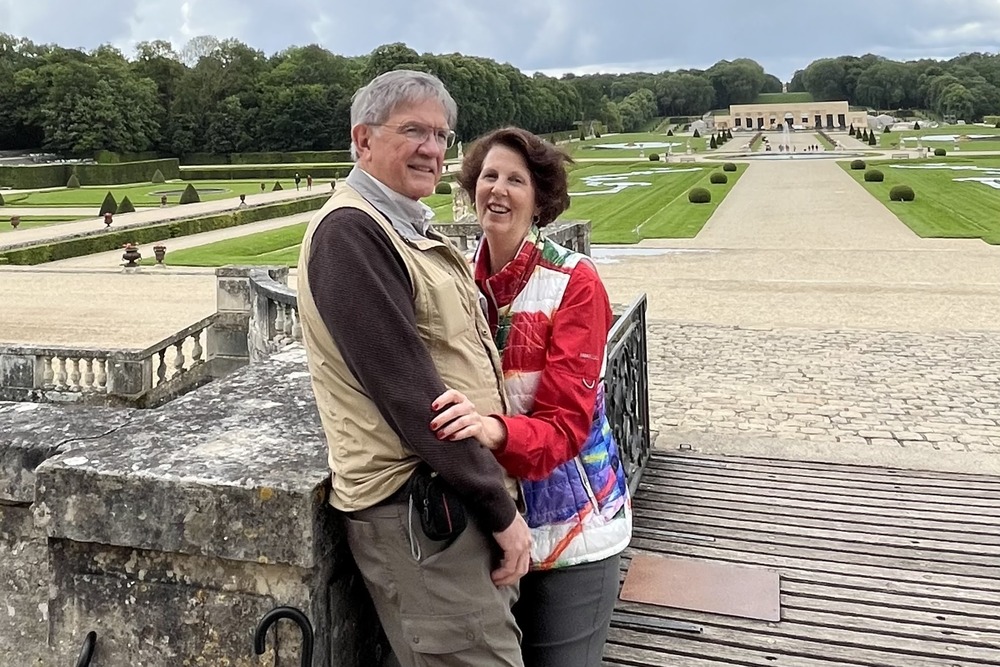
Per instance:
x=110, y=157
x=24, y=177
x=901, y=193
x=264, y=173
x=113, y=239
x=276, y=158
x=874, y=176
x=718, y=178
x=699, y=196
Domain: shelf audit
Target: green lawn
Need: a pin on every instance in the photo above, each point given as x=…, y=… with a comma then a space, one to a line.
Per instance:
x=659, y=210
x=943, y=208
x=30, y=222
x=888, y=140
x=144, y=194
x=588, y=149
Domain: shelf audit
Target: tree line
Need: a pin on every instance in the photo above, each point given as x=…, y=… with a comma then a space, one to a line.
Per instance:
x=223, y=96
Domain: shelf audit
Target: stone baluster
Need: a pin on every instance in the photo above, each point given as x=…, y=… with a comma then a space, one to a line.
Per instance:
x=161, y=368
x=296, y=326
x=47, y=375
x=88, y=374
x=289, y=324
x=74, y=374
x=59, y=382
x=279, y=324
x=196, y=350
x=179, y=359
x=101, y=375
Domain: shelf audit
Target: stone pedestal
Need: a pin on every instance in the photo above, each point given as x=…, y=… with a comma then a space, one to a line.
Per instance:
x=31, y=433
x=172, y=535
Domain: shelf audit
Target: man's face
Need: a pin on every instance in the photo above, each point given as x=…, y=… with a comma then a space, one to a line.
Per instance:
x=389, y=153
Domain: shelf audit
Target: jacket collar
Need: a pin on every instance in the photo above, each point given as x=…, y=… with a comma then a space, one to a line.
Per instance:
x=410, y=218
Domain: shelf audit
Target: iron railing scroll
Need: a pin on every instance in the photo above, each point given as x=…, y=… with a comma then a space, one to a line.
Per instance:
x=626, y=381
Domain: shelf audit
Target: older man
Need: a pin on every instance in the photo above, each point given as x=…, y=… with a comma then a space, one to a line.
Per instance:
x=390, y=317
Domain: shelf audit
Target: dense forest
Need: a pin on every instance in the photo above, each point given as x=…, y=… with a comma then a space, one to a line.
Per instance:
x=222, y=96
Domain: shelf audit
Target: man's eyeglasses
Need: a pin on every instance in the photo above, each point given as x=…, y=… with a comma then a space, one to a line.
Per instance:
x=418, y=133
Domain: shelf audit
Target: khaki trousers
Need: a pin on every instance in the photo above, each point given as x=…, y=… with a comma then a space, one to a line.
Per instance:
x=435, y=600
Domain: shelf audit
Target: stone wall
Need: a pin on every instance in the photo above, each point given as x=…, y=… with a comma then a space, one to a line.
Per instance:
x=170, y=532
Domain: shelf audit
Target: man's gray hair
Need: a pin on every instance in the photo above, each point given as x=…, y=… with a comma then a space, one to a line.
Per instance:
x=374, y=103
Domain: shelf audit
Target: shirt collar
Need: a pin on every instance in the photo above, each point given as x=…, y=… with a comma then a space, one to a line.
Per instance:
x=409, y=217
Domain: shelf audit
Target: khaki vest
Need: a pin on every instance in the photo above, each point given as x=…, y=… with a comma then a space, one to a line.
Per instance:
x=368, y=460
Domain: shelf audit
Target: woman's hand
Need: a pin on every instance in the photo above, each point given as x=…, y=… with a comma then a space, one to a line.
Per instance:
x=458, y=419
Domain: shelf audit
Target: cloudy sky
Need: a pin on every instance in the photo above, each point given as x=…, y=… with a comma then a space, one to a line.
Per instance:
x=553, y=36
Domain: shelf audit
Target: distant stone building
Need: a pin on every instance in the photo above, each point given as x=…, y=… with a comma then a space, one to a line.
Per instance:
x=797, y=109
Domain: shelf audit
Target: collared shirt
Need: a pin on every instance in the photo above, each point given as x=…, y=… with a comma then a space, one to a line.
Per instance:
x=410, y=217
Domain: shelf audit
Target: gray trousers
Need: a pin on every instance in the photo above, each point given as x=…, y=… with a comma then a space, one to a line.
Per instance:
x=435, y=600
x=565, y=613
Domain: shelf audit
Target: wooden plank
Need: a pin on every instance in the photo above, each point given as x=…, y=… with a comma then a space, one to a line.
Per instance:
x=836, y=494
x=853, y=575
x=664, y=460
x=806, y=548
x=820, y=519
x=917, y=546
x=768, y=477
x=797, y=651
x=786, y=500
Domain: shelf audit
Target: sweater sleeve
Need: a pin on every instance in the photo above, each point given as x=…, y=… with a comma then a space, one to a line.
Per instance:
x=558, y=424
x=364, y=295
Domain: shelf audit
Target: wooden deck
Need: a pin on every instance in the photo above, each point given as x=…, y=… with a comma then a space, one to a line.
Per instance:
x=880, y=568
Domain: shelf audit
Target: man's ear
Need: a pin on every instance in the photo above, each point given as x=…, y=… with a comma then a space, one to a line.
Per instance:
x=361, y=136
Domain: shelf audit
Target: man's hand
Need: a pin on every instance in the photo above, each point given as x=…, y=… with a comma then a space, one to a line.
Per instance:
x=515, y=540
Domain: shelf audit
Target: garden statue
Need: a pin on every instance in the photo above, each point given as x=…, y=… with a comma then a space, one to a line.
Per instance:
x=461, y=206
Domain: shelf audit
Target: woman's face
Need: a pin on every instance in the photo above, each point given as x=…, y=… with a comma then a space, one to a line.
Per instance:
x=505, y=195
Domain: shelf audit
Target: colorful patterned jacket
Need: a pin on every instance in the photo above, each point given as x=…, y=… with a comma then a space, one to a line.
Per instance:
x=550, y=317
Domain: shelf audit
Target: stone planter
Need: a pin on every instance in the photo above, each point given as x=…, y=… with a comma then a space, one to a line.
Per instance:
x=108, y=219
x=159, y=251
x=15, y=220
x=131, y=256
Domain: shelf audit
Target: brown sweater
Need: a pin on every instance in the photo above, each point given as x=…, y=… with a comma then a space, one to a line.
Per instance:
x=364, y=295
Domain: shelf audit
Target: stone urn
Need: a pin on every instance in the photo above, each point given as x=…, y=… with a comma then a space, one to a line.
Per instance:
x=163, y=200
x=243, y=200
x=15, y=220
x=159, y=251
x=131, y=256
x=108, y=219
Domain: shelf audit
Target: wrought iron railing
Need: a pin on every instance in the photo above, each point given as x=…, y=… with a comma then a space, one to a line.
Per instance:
x=626, y=380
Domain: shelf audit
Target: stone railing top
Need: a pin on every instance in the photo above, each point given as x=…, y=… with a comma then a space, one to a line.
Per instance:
x=30, y=433
x=101, y=352
x=271, y=288
x=236, y=469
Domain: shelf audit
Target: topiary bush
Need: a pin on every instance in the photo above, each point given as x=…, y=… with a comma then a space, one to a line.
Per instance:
x=696, y=133
x=885, y=130
x=729, y=166
x=670, y=133
x=858, y=164
x=699, y=196
x=73, y=182
x=190, y=195
x=874, y=176
x=718, y=178
x=126, y=205
x=442, y=188
x=277, y=186
x=871, y=139
x=916, y=125
x=158, y=177
x=713, y=143
x=654, y=157
x=901, y=193
x=583, y=135
x=940, y=152
x=1, y=199
x=109, y=205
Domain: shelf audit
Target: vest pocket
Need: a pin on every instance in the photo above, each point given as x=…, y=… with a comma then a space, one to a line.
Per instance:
x=444, y=315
